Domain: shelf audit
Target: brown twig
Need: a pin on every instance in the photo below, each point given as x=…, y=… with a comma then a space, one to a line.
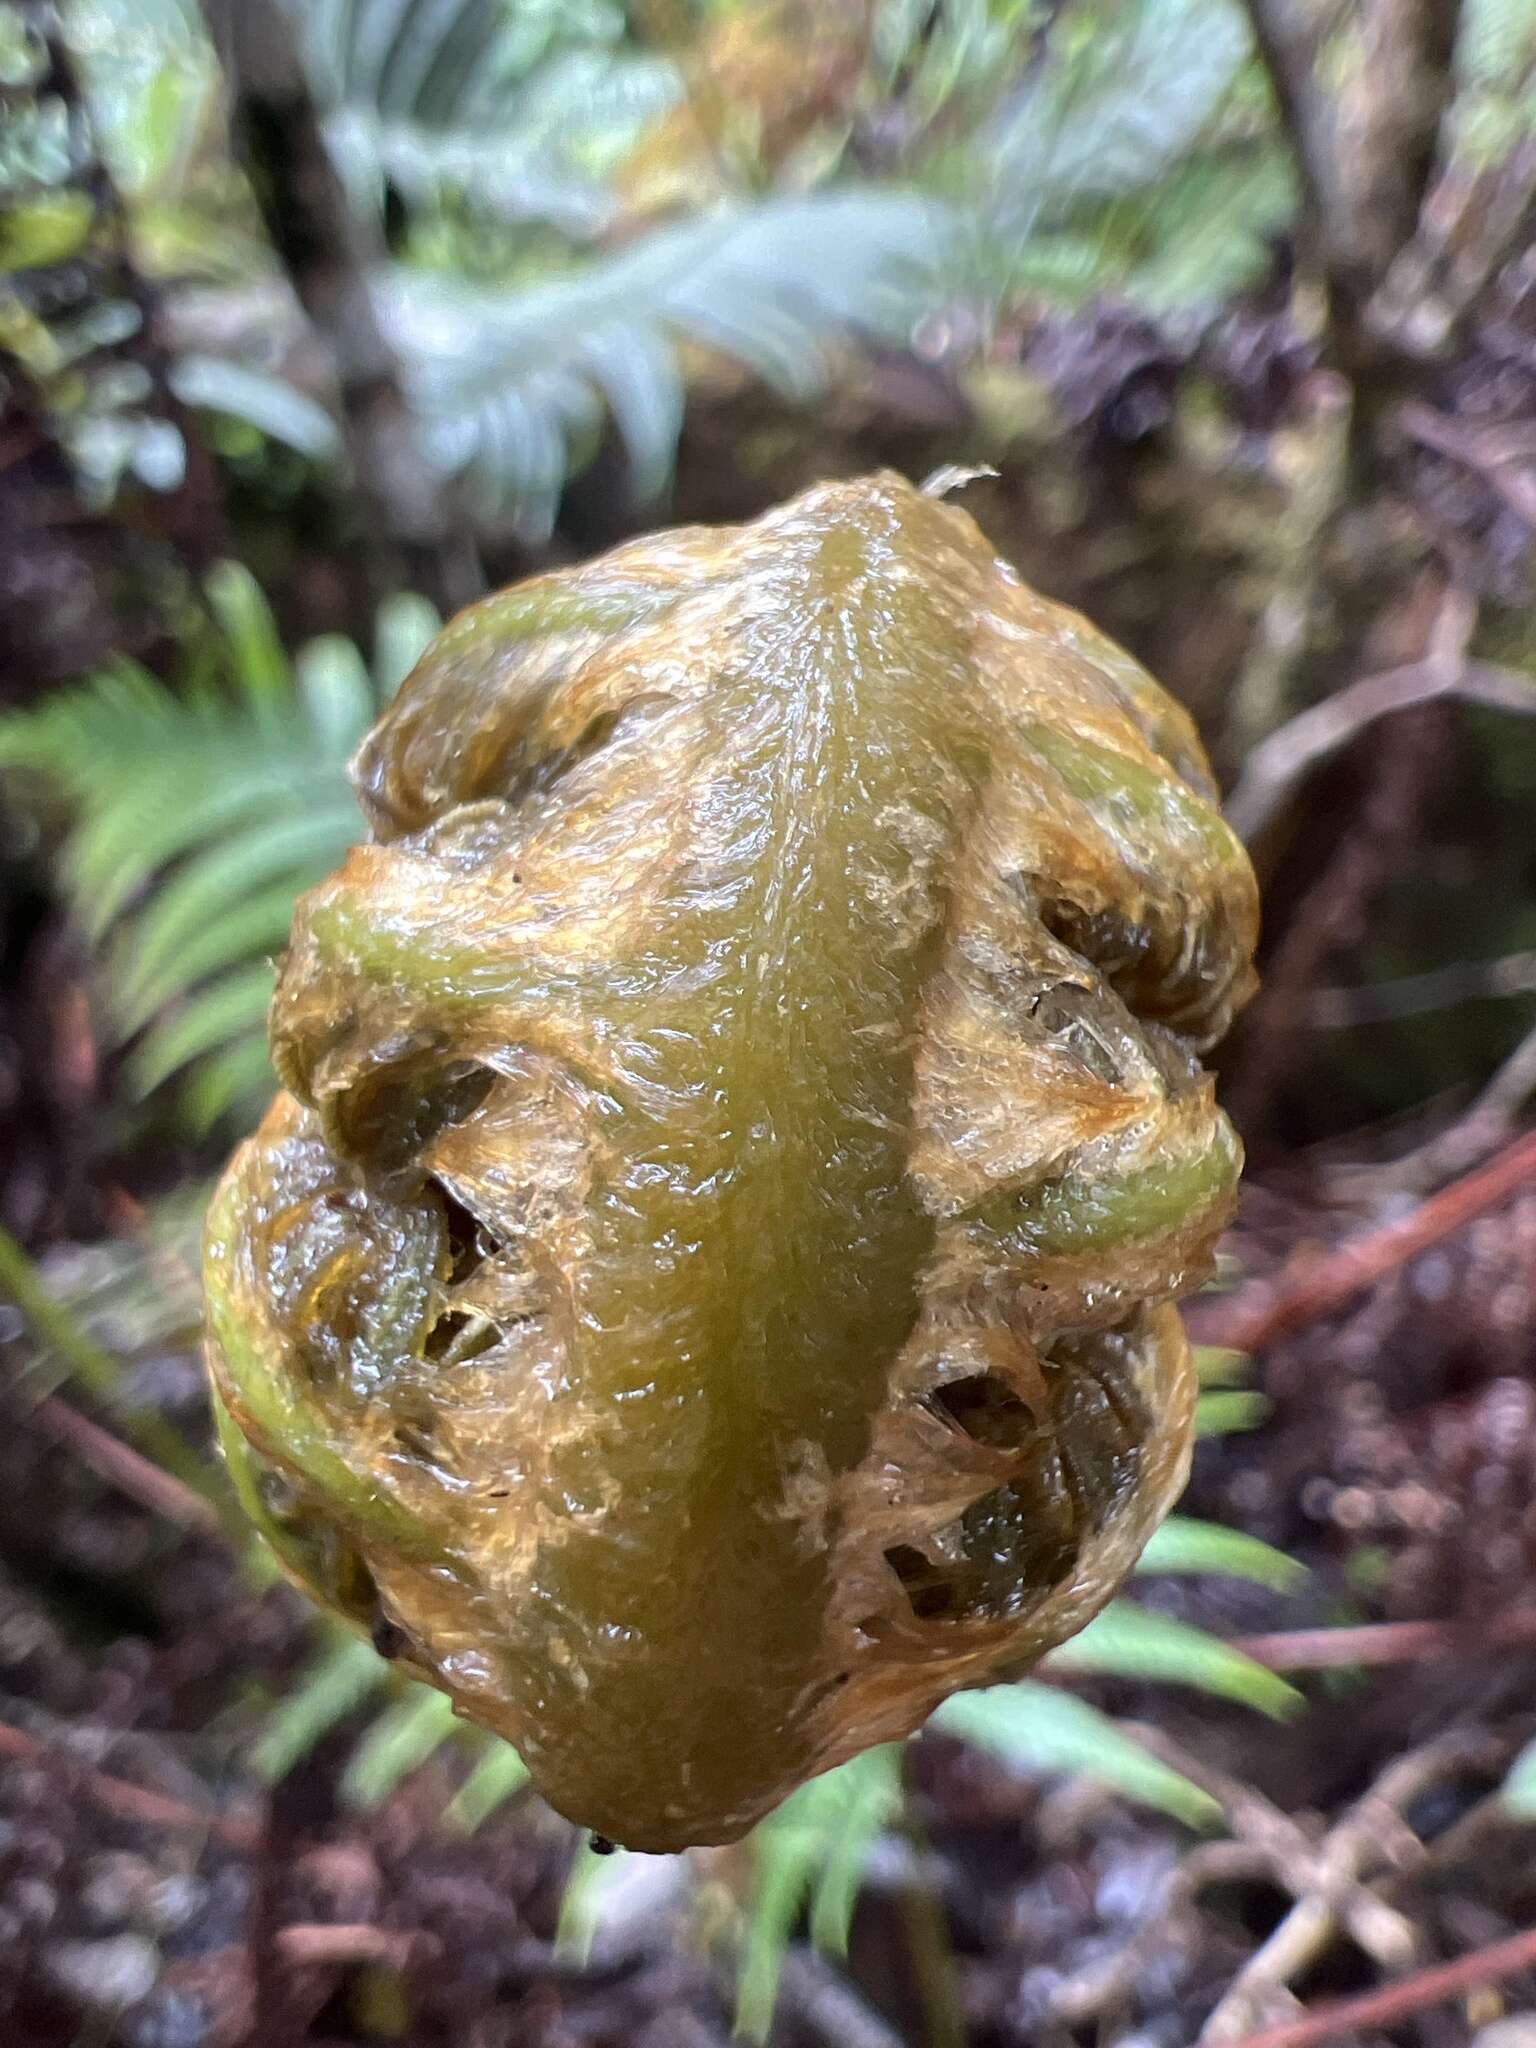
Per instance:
x=1332, y=910
x=347, y=1943
x=1494, y=453
x=127, y=1802
x=1338, y=1880
x=140, y=1478
x=1396, y=117
x=1278, y=764
x=1323, y=1876
x=331, y=255
x=60, y=1330
x=1287, y=46
x=1109, y=1981
x=1343, y=1007
x=1397, y=2001
x=1485, y=1124
x=1370, y=1838
x=1365, y=155
x=824, y=2002
x=1465, y=236
x=1299, y=617
x=1386, y=1642
x=1311, y=1285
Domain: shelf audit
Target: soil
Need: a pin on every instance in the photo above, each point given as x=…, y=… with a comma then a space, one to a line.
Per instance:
x=154, y=1895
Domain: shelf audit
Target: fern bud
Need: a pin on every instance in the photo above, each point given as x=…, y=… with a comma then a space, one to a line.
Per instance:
x=706, y=1288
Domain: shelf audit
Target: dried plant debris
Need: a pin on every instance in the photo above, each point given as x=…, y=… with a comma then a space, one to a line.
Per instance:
x=706, y=1290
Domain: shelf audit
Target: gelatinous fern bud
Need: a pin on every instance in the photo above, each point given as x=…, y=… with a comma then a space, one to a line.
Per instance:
x=706, y=1288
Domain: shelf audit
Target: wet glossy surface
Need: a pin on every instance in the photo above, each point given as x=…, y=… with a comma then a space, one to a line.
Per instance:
x=707, y=1282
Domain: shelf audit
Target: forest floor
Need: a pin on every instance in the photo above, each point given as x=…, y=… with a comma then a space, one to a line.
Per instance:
x=154, y=1894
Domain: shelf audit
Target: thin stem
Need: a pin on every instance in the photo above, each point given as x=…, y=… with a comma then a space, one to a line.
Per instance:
x=135, y=1803
x=933, y=1962
x=53, y=1325
x=1309, y=1287
x=1287, y=46
x=1386, y=1642
x=1398, y=2001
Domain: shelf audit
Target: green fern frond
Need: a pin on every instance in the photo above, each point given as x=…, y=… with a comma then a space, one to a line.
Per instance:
x=260, y=398
x=1137, y=156
x=1226, y=1410
x=258, y=664
x=1497, y=44
x=1200, y=234
x=1046, y=1730
x=1219, y=1365
x=1123, y=92
x=812, y=1853
x=593, y=1874
x=931, y=52
x=1184, y=1545
x=403, y=1738
x=1127, y=1641
x=518, y=115
x=139, y=1292
x=1225, y=1405
x=345, y=1674
x=1495, y=111
x=217, y=1014
x=513, y=388
x=496, y=1778
x=198, y=815
x=405, y=627
x=222, y=905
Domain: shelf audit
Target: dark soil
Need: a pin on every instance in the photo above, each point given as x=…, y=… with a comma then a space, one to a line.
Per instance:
x=152, y=1895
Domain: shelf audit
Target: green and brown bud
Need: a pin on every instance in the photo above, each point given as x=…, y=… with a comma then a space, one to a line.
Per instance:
x=707, y=1283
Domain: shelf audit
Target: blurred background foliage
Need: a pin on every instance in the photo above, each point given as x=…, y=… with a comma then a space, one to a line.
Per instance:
x=539, y=275
x=320, y=317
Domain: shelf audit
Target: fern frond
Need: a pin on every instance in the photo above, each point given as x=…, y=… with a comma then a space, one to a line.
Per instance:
x=405, y=626
x=1184, y=1545
x=1137, y=157
x=932, y=51
x=141, y=1291
x=1219, y=1365
x=238, y=1080
x=261, y=398
x=345, y=1673
x=1226, y=1410
x=512, y=388
x=199, y=814
x=221, y=1012
x=1497, y=44
x=1198, y=235
x=812, y=1853
x=1495, y=111
x=499, y=1774
x=580, y=1900
x=1046, y=1730
x=517, y=116
x=398, y=1742
x=258, y=664
x=1124, y=92
x=1127, y=1641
